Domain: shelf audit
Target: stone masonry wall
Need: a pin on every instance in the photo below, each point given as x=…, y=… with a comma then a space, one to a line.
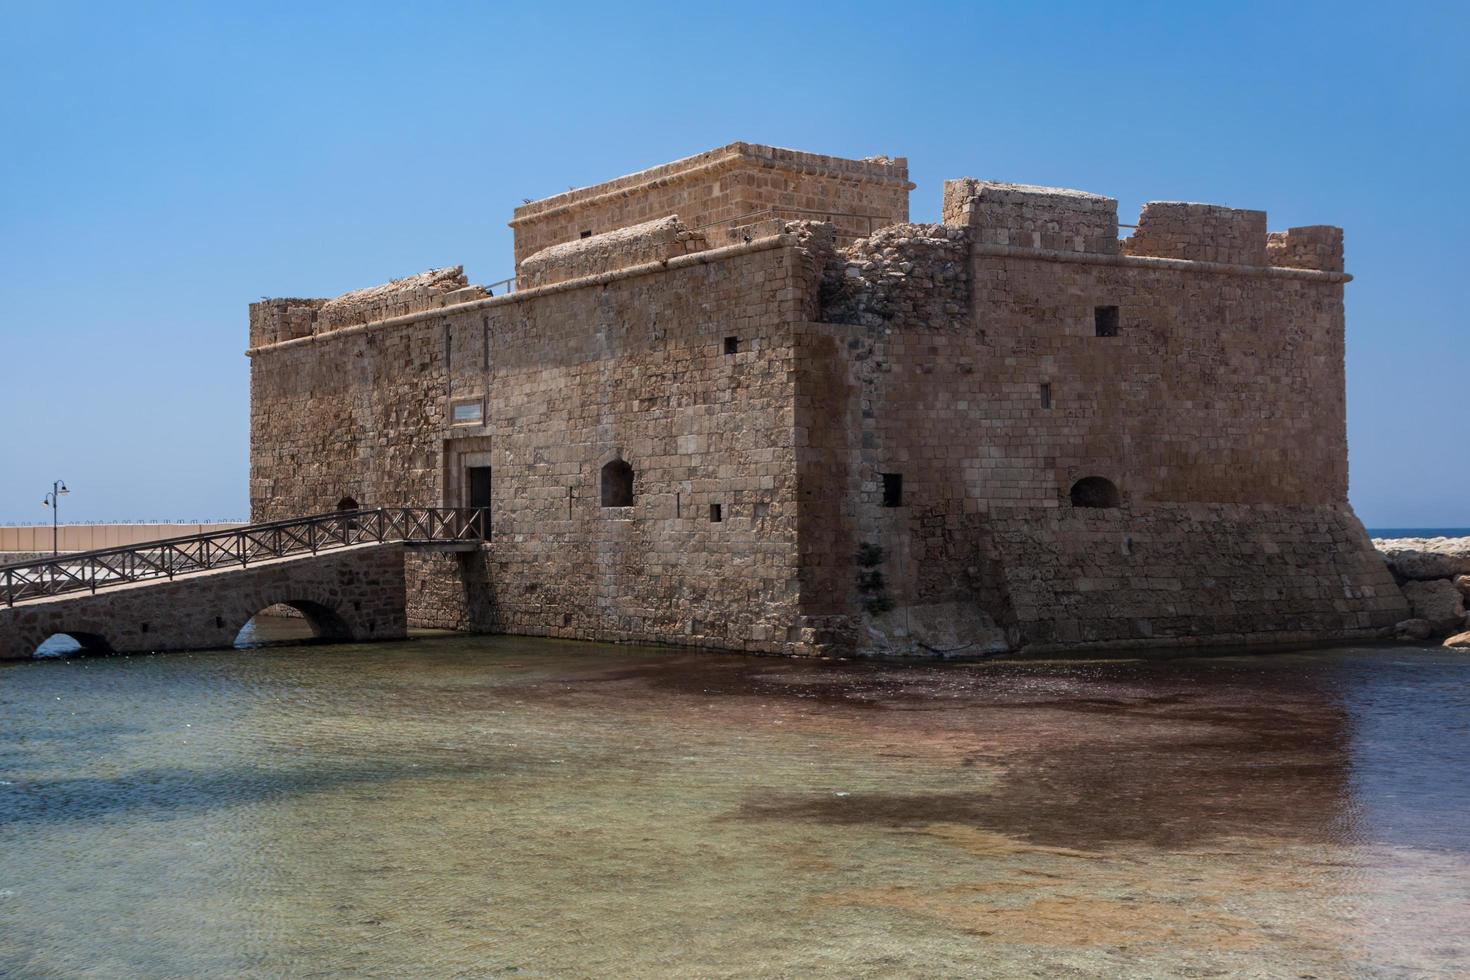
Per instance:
x=571, y=377
x=861, y=445
x=1032, y=217
x=1185, y=574
x=1201, y=232
x=352, y=593
x=881, y=392
x=1312, y=247
x=1217, y=409
x=722, y=185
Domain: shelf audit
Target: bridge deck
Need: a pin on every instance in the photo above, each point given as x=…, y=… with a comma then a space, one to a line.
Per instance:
x=423, y=528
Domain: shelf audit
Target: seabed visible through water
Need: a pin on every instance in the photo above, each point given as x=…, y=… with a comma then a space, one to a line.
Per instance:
x=488, y=806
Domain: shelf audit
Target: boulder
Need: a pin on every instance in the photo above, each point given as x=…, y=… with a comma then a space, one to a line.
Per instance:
x=1414, y=629
x=1462, y=582
x=1437, y=601
x=1459, y=640
x=1422, y=559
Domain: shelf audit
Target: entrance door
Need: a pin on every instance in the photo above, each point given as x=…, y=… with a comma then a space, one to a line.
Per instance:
x=477, y=478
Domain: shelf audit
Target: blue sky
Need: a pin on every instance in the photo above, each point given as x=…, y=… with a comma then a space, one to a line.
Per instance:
x=165, y=165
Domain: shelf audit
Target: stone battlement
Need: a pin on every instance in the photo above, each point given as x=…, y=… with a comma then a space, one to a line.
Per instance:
x=1026, y=216
x=1200, y=232
x=1064, y=220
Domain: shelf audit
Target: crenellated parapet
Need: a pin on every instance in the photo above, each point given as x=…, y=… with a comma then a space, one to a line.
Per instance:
x=1199, y=232
x=1024, y=216
x=1058, y=219
x=1310, y=247
x=275, y=320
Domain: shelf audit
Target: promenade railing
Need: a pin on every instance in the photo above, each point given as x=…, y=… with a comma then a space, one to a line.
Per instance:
x=167, y=558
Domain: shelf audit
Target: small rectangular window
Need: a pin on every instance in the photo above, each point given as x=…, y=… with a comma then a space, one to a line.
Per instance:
x=467, y=413
x=587, y=233
x=1105, y=318
x=732, y=345
x=715, y=515
x=1045, y=395
x=892, y=489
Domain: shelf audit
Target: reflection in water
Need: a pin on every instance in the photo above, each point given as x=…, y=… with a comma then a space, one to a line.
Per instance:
x=278, y=625
x=470, y=806
x=58, y=645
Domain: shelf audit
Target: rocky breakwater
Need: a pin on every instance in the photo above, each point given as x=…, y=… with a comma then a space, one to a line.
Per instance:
x=1435, y=576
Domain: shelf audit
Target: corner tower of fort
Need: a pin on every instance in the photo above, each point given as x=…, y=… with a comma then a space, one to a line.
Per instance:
x=738, y=401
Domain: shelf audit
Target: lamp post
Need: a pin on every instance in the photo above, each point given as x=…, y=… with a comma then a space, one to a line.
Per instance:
x=53, y=500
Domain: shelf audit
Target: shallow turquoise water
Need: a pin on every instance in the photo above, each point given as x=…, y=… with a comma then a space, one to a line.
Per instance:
x=491, y=806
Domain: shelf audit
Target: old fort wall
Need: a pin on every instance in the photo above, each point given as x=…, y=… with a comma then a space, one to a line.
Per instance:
x=1009, y=429
x=683, y=374
x=1215, y=407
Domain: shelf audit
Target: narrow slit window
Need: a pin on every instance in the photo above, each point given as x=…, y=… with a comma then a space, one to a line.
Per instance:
x=732, y=345
x=1105, y=319
x=1045, y=395
x=892, y=489
x=716, y=515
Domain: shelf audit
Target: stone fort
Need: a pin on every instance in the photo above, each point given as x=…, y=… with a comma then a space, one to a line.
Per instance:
x=738, y=401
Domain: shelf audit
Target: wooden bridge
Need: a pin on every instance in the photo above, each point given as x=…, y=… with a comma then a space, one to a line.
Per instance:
x=343, y=571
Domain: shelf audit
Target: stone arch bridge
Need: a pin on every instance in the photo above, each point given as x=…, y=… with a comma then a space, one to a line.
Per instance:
x=343, y=571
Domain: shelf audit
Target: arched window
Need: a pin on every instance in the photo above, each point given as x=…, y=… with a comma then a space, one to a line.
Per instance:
x=347, y=503
x=1095, y=491
x=617, y=484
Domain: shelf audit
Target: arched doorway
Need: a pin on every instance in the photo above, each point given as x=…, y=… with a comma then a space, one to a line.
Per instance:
x=70, y=644
x=1095, y=491
x=617, y=484
x=350, y=526
x=291, y=623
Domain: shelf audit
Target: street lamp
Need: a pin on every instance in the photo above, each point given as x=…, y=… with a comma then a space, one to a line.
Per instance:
x=53, y=500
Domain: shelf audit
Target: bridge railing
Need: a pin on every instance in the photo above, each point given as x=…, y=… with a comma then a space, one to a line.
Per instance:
x=88, y=571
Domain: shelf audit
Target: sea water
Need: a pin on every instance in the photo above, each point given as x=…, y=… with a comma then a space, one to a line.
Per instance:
x=495, y=806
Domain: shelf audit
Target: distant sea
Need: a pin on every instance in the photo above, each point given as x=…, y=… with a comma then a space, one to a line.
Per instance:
x=1419, y=532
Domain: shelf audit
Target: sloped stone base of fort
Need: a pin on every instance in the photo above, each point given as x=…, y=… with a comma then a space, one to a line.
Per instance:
x=1190, y=574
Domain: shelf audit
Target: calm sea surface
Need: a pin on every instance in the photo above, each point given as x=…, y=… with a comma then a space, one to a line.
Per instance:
x=476, y=807
x=1419, y=532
